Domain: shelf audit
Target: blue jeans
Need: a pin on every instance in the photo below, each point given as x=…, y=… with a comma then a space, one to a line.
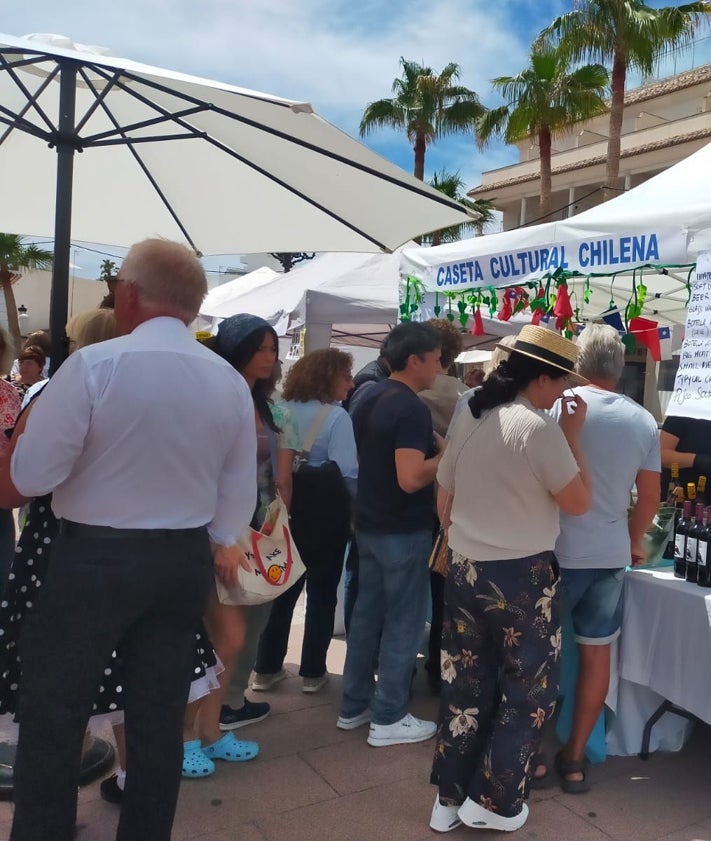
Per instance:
x=387, y=623
x=593, y=599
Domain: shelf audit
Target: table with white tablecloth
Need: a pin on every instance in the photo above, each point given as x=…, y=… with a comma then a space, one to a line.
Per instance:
x=664, y=653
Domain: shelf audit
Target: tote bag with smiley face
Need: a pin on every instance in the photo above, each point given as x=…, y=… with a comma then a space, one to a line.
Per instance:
x=274, y=560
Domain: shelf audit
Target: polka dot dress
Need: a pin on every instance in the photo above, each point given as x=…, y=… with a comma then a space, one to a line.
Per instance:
x=24, y=581
x=29, y=568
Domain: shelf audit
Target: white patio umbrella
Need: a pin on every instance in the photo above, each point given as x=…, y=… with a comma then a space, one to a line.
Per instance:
x=224, y=169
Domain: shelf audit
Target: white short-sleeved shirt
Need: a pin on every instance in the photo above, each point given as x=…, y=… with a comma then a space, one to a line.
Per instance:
x=504, y=468
x=619, y=438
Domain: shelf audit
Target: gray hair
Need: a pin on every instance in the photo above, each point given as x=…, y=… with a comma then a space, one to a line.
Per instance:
x=601, y=354
x=168, y=275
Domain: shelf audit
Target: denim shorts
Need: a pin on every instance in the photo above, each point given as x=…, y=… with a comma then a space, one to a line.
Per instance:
x=593, y=600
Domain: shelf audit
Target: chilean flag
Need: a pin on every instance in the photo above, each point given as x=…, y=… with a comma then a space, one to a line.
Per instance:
x=665, y=342
x=656, y=339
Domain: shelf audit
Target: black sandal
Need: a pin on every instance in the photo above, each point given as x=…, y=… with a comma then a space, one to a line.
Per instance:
x=565, y=768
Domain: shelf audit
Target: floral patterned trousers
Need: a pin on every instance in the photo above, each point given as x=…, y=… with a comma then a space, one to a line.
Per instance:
x=500, y=663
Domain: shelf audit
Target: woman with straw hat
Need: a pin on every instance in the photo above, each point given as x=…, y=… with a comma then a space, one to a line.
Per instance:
x=508, y=469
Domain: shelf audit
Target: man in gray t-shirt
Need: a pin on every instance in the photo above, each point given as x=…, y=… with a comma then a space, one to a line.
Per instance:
x=620, y=441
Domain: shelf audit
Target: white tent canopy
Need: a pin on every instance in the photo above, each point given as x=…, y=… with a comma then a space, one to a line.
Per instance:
x=219, y=301
x=332, y=289
x=474, y=357
x=666, y=221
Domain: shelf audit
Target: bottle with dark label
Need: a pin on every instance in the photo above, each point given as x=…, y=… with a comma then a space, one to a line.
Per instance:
x=680, y=541
x=702, y=553
x=692, y=543
x=676, y=501
x=701, y=490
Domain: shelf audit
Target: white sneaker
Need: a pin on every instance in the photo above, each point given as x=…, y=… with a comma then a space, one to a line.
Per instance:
x=477, y=817
x=408, y=729
x=444, y=818
x=354, y=721
x=262, y=683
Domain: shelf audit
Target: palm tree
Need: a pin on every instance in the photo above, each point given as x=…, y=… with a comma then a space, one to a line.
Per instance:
x=426, y=106
x=451, y=184
x=630, y=34
x=16, y=257
x=544, y=101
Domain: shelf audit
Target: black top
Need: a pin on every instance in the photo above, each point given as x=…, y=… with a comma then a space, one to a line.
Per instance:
x=373, y=372
x=390, y=417
x=694, y=437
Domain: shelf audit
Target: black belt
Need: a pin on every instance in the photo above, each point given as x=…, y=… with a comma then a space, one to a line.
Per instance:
x=84, y=530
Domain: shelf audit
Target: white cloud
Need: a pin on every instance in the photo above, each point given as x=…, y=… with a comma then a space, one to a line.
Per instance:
x=336, y=54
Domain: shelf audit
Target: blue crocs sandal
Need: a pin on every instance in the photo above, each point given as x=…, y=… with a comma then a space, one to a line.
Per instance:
x=195, y=763
x=231, y=750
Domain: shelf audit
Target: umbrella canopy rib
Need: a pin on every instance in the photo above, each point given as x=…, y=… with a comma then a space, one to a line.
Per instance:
x=129, y=145
x=237, y=156
x=31, y=98
x=94, y=139
x=304, y=144
x=20, y=115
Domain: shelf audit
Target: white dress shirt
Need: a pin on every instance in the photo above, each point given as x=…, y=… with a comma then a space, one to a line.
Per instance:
x=150, y=430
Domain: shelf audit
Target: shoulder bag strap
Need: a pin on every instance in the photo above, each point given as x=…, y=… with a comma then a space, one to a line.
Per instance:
x=315, y=428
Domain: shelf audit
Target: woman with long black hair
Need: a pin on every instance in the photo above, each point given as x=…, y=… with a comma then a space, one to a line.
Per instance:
x=506, y=472
x=250, y=345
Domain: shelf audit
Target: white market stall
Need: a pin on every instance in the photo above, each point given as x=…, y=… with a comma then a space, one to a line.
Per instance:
x=651, y=234
x=353, y=289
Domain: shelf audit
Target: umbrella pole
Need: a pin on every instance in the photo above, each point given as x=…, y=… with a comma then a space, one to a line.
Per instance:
x=66, y=143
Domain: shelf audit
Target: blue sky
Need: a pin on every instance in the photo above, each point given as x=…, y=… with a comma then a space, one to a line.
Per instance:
x=336, y=54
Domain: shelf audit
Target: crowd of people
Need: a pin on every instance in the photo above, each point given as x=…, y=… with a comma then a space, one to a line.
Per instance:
x=142, y=461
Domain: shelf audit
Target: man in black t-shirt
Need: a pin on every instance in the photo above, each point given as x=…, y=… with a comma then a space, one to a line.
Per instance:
x=398, y=456
x=686, y=442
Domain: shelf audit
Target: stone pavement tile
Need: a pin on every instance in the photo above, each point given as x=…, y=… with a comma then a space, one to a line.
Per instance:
x=247, y=832
x=243, y=792
x=396, y=812
x=551, y=820
x=299, y=731
x=5, y=825
x=400, y=811
x=96, y=821
x=697, y=832
x=356, y=766
x=649, y=802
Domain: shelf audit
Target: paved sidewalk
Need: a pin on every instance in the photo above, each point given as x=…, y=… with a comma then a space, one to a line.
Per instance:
x=313, y=782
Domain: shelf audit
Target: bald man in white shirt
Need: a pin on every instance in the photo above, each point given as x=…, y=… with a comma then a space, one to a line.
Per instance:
x=148, y=444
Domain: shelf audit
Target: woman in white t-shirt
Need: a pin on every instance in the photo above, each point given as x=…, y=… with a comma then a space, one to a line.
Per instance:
x=505, y=474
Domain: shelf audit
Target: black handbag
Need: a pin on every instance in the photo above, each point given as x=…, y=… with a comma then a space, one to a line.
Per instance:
x=320, y=502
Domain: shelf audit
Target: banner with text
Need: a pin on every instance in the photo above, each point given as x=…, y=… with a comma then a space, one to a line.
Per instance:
x=596, y=255
x=692, y=387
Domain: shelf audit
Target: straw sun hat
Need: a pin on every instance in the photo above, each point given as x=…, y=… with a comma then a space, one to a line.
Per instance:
x=549, y=347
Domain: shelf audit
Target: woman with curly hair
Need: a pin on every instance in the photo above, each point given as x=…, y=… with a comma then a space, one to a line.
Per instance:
x=320, y=513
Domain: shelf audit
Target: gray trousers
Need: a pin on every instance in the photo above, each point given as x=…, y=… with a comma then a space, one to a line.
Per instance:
x=257, y=618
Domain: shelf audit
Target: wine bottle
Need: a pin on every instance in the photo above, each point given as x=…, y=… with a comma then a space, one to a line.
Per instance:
x=702, y=553
x=674, y=482
x=692, y=543
x=701, y=490
x=691, y=494
x=680, y=541
x=675, y=501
